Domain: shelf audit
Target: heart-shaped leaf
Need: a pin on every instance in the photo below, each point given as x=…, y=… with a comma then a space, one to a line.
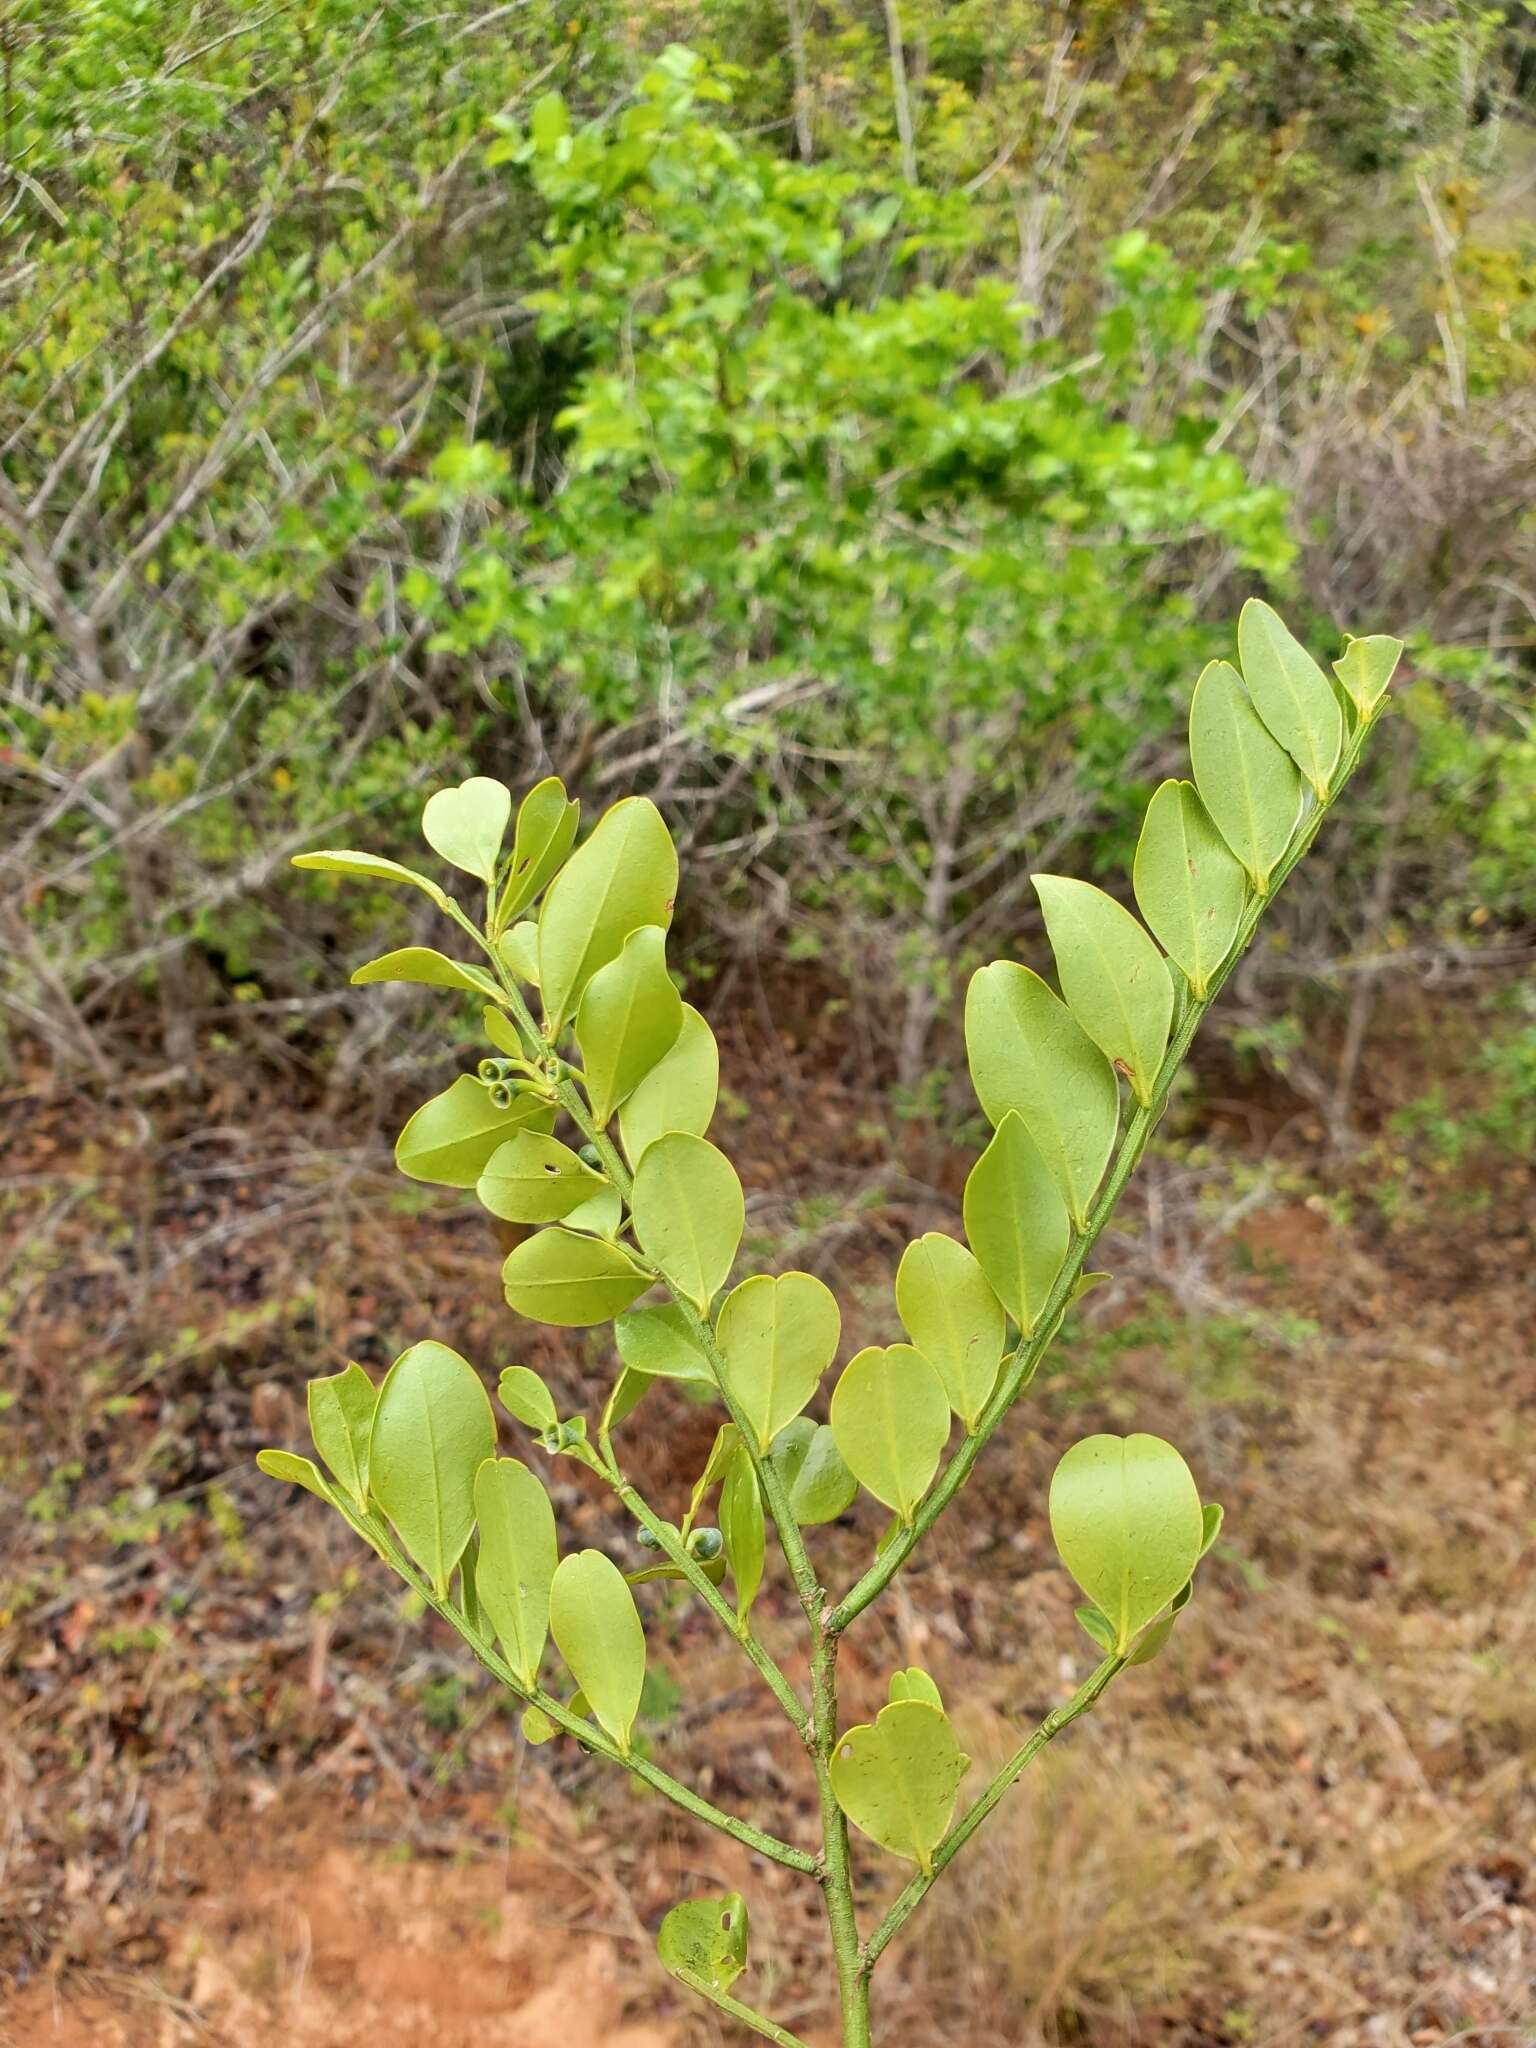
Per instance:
x=1247, y=781
x=1290, y=693
x=467, y=825
x=1029, y=1054
x=533, y=1178
x=623, y=877
x=340, y=1420
x=516, y=1566
x=741, y=1525
x=948, y=1309
x=1366, y=667
x=679, y=1092
x=545, y=834
x=777, y=1337
x=628, y=1018
x=571, y=1281
x=703, y=1943
x=432, y=1430
x=1016, y=1221
x=596, y=1627
x=523, y=1394
x=660, y=1342
x=1125, y=1515
x=1189, y=887
x=433, y=970
x=914, y=1684
x=814, y=1472
x=689, y=1213
x=368, y=867
x=890, y=1418
x=896, y=1779
x=1115, y=980
x=451, y=1139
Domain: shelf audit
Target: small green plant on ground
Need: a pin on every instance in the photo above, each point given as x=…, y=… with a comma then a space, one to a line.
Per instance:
x=638, y=1221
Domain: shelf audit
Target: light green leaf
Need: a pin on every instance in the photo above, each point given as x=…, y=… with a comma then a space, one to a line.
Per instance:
x=340, y=1419
x=624, y=876
x=628, y=1018
x=1125, y=1514
x=688, y=1213
x=1211, y=1517
x=467, y=825
x=629, y=1390
x=1029, y=1054
x=296, y=1471
x=1290, y=693
x=596, y=1627
x=1115, y=980
x=573, y=1282
x=520, y=950
x=914, y=1684
x=678, y=1094
x=896, y=1779
x=451, y=1139
x=518, y=1554
x=546, y=832
x=432, y=1430
x=1189, y=887
x=777, y=1336
x=815, y=1476
x=890, y=1418
x=1248, y=784
x=741, y=1524
x=1098, y=1628
x=703, y=1943
x=1016, y=1221
x=1366, y=667
x=1154, y=1638
x=432, y=970
x=523, y=1394
x=948, y=1309
x=727, y=1437
x=537, y=1727
x=368, y=867
x=660, y=1341
x=533, y=1178
x=601, y=1213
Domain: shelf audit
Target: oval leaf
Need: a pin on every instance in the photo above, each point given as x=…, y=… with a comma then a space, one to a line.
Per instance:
x=574, y=1282
x=295, y=1471
x=516, y=1566
x=689, y=1213
x=1248, y=784
x=533, y=1178
x=1029, y=1054
x=451, y=1139
x=596, y=1627
x=1189, y=887
x=628, y=1018
x=890, y=1419
x=1366, y=667
x=816, y=1477
x=340, y=1419
x=661, y=1342
x=896, y=1779
x=432, y=1430
x=467, y=825
x=1290, y=693
x=1016, y=1221
x=432, y=970
x=623, y=877
x=368, y=867
x=948, y=1309
x=678, y=1094
x=601, y=1213
x=523, y=1394
x=1115, y=980
x=1125, y=1515
x=545, y=834
x=741, y=1525
x=704, y=1942
x=777, y=1337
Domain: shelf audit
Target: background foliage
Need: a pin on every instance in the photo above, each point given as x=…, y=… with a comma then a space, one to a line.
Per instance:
x=847, y=427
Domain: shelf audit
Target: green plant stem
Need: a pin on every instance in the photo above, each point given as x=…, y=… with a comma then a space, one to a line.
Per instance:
x=836, y=1877
x=587, y=1732
x=757, y=2021
x=1020, y=1368
x=1061, y=1717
